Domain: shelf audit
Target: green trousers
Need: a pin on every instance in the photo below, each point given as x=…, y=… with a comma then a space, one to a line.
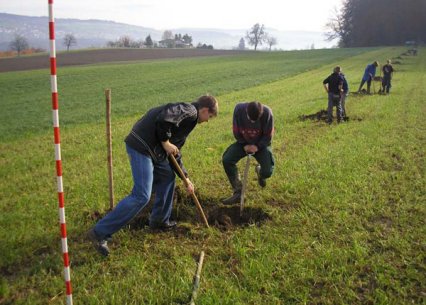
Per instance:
x=235, y=152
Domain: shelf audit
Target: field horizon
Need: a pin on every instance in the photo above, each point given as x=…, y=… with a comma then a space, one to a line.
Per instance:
x=341, y=220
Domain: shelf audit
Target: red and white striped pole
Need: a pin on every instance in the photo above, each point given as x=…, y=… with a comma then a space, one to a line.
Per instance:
x=55, y=113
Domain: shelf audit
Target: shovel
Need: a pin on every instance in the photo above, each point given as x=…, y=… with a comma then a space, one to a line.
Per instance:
x=243, y=190
x=182, y=175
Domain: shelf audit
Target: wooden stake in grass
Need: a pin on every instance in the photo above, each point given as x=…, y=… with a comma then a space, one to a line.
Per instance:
x=182, y=175
x=197, y=279
x=109, y=145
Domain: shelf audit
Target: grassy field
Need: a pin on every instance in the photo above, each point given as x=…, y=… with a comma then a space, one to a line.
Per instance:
x=340, y=222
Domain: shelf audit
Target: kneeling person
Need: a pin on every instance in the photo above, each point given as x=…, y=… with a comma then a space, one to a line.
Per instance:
x=253, y=127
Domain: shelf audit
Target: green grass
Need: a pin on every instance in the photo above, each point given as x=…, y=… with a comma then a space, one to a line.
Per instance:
x=137, y=86
x=346, y=201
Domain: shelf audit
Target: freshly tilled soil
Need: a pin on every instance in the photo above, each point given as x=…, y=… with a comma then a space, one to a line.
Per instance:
x=97, y=56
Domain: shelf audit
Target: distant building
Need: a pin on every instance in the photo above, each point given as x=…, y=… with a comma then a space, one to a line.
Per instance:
x=172, y=43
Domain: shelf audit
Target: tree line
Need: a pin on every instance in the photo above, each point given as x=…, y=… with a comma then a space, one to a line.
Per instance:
x=361, y=23
x=255, y=37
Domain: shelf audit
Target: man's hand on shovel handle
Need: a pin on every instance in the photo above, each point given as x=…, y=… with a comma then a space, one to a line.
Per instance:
x=170, y=148
x=189, y=186
x=250, y=149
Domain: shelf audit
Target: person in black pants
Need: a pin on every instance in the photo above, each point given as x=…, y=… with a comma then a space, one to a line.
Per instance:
x=333, y=85
x=387, y=76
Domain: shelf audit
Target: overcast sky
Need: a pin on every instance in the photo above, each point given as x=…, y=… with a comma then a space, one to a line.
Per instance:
x=285, y=15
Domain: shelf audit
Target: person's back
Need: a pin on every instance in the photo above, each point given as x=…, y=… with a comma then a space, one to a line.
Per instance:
x=334, y=82
x=333, y=86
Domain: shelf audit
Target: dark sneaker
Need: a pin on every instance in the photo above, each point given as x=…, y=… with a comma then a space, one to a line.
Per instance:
x=101, y=245
x=260, y=180
x=235, y=198
x=167, y=226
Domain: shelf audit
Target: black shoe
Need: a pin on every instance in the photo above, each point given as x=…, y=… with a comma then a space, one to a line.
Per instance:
x=101, y=245
x=260, y=180
x=167, y=226
x=235, y=198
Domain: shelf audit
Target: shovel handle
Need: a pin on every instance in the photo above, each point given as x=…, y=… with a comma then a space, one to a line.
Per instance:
x=244, y=187
x=182, y=175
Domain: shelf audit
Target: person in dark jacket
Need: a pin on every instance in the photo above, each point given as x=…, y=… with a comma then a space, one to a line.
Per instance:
x=162, y=131
x=387, y=76
x=253, y=128
x=333, y=85
x=369, y=73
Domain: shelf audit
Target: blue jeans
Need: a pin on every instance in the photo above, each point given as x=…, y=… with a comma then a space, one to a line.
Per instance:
x=147, y=177
x=334, y=100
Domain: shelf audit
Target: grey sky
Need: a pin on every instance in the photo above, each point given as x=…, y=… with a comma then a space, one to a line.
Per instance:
x=305, y=15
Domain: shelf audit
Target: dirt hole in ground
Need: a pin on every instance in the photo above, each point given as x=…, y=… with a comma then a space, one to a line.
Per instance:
x=186, y=213
x=318, y=116
x=229, y=218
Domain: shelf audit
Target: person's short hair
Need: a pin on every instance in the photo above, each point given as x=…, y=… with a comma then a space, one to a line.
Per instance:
x=207, y=101
x=254, y=110
x=388, y=61
x=376, y=63
x=337, y=69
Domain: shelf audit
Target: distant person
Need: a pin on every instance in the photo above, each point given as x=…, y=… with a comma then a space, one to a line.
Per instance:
x=344, y=95
x=369, y=73
x=387, y=76
x=162, y=131
x=253, y=128
x=333, y=85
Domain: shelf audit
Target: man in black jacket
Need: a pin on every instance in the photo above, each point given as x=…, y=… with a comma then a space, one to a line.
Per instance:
x=333, y=84
x=160, y=132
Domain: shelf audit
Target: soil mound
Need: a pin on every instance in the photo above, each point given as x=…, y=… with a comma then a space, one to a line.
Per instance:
x=319, y=116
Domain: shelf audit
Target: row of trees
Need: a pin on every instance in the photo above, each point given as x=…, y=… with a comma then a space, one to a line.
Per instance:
x=20, y=43
x=169, y=40
x=257, y=36
x=361, y=23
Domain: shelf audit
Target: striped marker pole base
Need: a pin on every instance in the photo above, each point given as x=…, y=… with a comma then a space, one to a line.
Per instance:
x=57, y=138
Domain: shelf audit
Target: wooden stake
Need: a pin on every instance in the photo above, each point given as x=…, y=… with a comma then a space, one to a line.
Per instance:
x=182, y=175
x=197, y=279
x=109, y=145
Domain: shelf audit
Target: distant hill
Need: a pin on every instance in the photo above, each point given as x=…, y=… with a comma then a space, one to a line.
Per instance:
x=96, y=33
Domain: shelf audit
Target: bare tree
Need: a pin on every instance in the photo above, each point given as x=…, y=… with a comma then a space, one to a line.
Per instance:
x=125, y=41
x=270, y=41
x=256, y=35
x=167, y=34
x=335, y=25
x=19, y=43
x=69, y=40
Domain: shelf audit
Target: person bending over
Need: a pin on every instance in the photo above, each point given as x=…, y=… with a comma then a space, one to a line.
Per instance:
x=162, y=131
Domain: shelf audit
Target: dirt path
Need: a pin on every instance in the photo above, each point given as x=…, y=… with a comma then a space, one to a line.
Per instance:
x=103, y=55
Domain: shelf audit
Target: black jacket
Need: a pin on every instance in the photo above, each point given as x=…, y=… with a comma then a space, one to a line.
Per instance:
x=172, y=122
x=334, y=81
